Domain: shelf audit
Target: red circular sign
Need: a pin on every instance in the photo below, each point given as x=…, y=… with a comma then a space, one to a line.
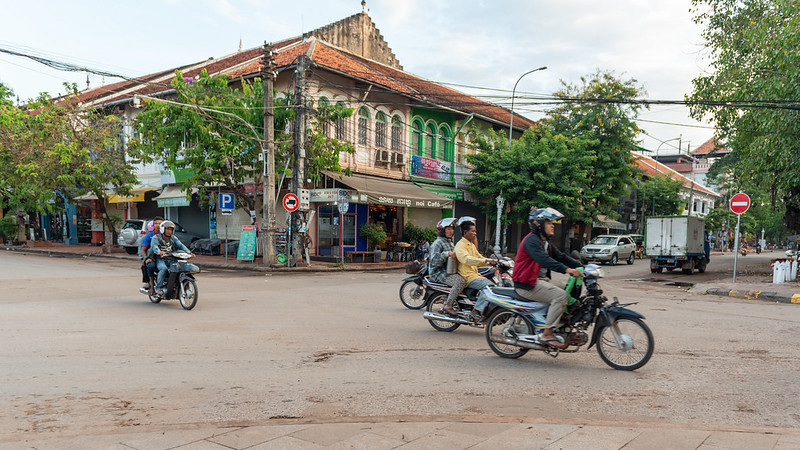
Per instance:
x=740, y=203
x=291, y=202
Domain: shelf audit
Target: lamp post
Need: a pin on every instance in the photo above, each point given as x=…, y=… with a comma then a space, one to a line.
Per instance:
x=655, y=171
x=513, y=93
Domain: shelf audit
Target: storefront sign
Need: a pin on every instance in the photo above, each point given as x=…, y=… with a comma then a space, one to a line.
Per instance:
x=332, y=195
x=409, y=202
x=431, y=168
x=172, y=202
x=114, y=198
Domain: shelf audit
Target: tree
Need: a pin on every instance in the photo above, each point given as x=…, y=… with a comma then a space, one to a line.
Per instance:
x=661, y=197
x=541, y=169
x=57, y=145
x=592, y=110
x=753, y=51
x=221, y=150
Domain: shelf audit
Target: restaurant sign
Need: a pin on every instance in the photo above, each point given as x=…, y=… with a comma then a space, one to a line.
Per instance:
x=431, y=168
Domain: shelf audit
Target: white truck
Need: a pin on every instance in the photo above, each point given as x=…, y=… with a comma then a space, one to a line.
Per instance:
x=676, y=242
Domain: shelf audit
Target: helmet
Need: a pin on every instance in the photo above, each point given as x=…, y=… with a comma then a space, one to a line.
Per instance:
x=167, y=224
x=537, y=217
x=150, y=225
x=444, y=223
x=467, y=219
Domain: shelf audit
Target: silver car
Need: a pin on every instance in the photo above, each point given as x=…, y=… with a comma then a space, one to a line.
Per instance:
x=131, y=235
x=609, y=248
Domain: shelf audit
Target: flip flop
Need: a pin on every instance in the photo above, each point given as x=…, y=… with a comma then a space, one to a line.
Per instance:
x=553, y=342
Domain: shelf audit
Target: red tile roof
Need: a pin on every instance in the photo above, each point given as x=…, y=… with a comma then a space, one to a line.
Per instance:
x=712, y=145
x=650, y=165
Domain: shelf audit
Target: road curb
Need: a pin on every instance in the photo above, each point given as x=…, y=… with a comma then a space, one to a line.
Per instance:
x=781, y=297
x=211, y=265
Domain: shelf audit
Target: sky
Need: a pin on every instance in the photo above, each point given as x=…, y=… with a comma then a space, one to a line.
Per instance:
x=477, y=43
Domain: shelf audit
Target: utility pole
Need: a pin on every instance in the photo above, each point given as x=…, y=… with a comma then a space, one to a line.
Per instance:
x=268, y=176
x=299, y=172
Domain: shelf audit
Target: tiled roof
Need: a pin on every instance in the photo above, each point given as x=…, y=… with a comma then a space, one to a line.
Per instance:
x=323, y=55
x=650, y=165
x=710, y=146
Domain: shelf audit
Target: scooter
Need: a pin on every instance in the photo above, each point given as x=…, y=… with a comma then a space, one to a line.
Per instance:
x=180, y=282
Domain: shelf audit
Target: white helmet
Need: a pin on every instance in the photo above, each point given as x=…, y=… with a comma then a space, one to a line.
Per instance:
x=166, y=224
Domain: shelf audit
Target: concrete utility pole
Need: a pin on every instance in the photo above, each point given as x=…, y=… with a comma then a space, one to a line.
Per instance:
x=268, y=176
x=299, y=172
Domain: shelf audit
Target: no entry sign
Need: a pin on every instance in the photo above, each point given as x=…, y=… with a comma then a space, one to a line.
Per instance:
x=291, y=202
x=740, y=203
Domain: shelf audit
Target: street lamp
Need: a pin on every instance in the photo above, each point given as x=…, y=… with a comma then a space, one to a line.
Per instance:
x=513, y=92
x=655, y=171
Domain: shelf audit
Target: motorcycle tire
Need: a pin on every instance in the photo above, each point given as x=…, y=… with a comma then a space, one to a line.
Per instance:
x=638, y=345
x=435, y=306
x=155, y=298
x=494, y=331
x=188, y=294
x=412, y=295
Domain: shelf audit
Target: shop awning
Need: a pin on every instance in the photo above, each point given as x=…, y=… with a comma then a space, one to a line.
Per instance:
x=385, y=191
x=445, y=191
x=605, y=222
x=172, y=196
x=136, y=195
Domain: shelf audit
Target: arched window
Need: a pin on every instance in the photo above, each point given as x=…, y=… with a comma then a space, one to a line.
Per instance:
x=397, y=134
x=363, y=121
x=430, y=137
x=322, y=107
x=380, y=130
x=341, y=125
x=445, y=143
x=416, y=137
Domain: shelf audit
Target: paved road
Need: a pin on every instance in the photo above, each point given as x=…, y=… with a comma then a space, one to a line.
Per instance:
x=84, y=353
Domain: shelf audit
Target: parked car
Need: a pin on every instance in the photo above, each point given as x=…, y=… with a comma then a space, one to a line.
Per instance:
x=609, y=248
x=131, y=235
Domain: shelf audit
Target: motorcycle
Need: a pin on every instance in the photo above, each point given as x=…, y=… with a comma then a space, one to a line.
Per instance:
x=744, y=251
x=180, y=282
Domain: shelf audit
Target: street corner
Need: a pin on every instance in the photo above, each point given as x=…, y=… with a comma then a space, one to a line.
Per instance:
x=746, y=294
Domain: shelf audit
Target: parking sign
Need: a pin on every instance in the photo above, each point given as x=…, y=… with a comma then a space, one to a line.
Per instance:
x=225, y=201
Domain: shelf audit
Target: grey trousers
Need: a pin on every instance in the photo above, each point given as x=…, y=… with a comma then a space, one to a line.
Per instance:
x=457, y=283
x=546, y=292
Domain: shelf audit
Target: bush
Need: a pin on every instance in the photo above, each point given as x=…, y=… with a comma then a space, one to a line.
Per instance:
x=417, y=235
x=8, y=228
x=374, y=233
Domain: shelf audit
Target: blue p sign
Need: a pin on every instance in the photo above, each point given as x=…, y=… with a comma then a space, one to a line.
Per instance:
x=225, y=200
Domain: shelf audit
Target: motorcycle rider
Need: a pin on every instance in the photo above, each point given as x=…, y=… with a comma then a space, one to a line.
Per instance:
x=536, y=257
x=441, y=249
x=469, y=259
x=162, y=245
x=148, y=265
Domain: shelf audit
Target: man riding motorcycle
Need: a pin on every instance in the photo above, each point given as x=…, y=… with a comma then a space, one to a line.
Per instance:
x=162, y=245
x=535, y=259
x=469, y=259
x=149, y=265
x=441, y=249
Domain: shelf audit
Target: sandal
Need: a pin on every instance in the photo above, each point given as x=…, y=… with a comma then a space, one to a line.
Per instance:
x=553, y=342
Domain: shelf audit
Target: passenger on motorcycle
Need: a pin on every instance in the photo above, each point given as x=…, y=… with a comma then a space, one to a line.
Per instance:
x=469, y=259
x=148, y=265
x=162, y=245
x=535, y=259
x=441, y=249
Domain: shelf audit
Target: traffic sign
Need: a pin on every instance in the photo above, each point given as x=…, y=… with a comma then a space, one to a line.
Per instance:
x=225, y=201
x=740, y=203
x=291, y=202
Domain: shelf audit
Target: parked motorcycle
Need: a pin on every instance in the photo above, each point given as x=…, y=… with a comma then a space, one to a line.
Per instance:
x=180, y=282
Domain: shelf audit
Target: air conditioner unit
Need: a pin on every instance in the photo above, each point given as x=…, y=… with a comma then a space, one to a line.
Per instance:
x=399, y=159
x=382, y=156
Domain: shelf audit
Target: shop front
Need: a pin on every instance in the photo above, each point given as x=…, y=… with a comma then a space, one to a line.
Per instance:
x=387, y=202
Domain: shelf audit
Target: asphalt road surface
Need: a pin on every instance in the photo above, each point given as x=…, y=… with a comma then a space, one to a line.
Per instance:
x=83, y=352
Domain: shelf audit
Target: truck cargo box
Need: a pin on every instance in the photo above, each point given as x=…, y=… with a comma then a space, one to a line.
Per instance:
x=674, y=236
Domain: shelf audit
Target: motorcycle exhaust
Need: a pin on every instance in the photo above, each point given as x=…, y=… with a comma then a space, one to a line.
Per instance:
x=444, y=318
x=518, y=343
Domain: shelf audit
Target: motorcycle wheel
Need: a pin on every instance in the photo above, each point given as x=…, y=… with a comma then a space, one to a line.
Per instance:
x=434, y=306
x=154, y=298
x=637, y=343
x=188, y=294
x=494, y=330
x=412, y=295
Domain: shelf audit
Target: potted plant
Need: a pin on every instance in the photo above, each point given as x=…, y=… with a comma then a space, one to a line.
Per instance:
x=375, y=235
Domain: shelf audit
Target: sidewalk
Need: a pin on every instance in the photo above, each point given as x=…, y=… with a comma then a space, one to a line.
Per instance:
x=513, y=433
x=204, y=261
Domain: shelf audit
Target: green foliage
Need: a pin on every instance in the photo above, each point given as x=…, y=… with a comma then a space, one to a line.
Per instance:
x=417, y=235
x=753, y=50
x=541, y=169
x=661, y=195
x=374, y=233
x=56, y=145
x=8, y=227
